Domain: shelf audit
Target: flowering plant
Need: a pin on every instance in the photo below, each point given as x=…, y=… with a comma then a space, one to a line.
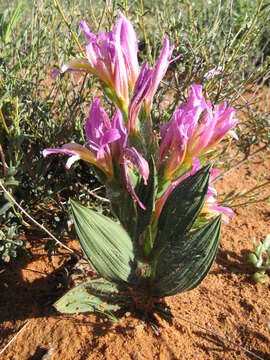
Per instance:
x=158, y=181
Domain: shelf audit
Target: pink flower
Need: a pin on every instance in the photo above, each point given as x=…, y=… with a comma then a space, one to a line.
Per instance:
x=194, y=129
x=112, y=57
x=99, y=131
x=158, y=72
x=211, y=207
x=100, y=135
x=173, y=146
x=146, y=86
x=129, y=46
x=106, y=148
x=140, y=91
x=212, y=124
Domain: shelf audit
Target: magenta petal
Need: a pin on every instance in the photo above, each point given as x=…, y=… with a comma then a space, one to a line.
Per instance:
x=71, y=149
x=159, y=71
x=143, y=83
x=173, y=143
x=97, y=122
x=137, y=159
x=129, y=45
x=196, y=96
x=61, y=151
x=224, y=211
x=118, y=123
x=140, y=91
x=132, y=155
x=129, y=184
x=86, y=31
x=120, y=74
x=109, y=136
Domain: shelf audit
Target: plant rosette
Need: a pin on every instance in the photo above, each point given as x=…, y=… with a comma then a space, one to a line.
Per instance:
x=165, y=234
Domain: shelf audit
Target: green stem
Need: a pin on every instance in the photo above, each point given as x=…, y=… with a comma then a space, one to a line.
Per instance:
x=126, y=9
x=266, y=198
x=3, y=121
x=69, y=27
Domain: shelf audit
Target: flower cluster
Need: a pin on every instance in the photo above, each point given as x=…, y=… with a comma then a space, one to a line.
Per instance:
x=107, y=142
x=112, y=57
x=114, y=146
x=195, y=128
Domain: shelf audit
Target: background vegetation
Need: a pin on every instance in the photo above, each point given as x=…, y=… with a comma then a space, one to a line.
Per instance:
x=38, y=112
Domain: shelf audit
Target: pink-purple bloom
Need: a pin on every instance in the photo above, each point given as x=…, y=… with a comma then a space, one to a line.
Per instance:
x=159, y=72
x=140, y=92
x=106, y=143
x=99, y=135
x=193, y=130
x=147, y=84
x=112, y=57
x=129, y=46
x=99, y=131
x=211, y=207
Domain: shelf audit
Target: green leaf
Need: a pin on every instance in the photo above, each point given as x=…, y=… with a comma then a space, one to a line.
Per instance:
x=105, y=243
x=182, y=207
x=97, y=295
x=12, y=22
x=5, y=208
x=184, y=262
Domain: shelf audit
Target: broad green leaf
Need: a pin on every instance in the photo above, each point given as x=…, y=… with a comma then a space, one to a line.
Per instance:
x=105, y=243
x=182, y=207
x=184, y=263
x=97, y=295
